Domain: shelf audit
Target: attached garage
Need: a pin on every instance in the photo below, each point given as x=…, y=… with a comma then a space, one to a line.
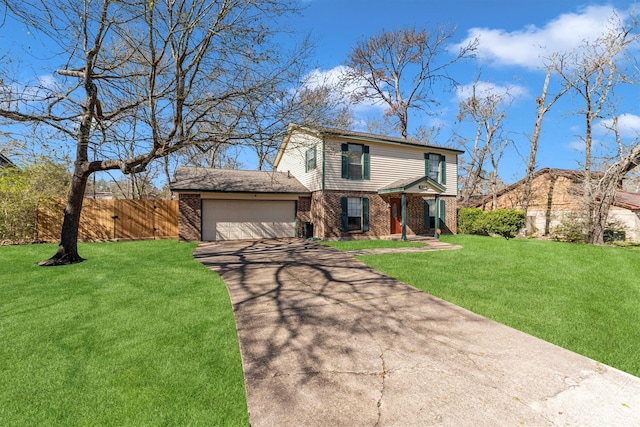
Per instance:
x=221, y=204
x=248, y=219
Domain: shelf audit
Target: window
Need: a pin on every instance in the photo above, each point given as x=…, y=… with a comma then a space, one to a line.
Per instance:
x=355, y=161
x=355, y=214
x=429, y=214
x=436, y=167
x=310, y=159
x=434, y=214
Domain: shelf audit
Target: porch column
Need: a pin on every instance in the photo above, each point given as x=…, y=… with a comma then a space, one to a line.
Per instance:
x=404, y=216
x=437, y=215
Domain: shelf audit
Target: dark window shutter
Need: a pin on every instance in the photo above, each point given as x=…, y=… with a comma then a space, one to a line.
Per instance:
x=366, y=168
x=306, y=161
x=426, y=164
x=427, y=208
x=365, y=214
x=443, y=169
x=345, y=161
x=443, y=214
x=345, y=214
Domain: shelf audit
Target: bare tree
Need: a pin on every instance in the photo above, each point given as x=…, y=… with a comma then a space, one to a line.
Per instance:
x=314, y=105
x=402, y=69
x=170, y=63
x=486, y=109
x=543, y=107
x=593, y=73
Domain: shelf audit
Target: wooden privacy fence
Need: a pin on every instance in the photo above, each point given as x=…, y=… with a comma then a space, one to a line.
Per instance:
x=114, y=220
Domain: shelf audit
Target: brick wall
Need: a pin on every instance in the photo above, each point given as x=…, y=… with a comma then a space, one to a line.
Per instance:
x=190, y=217
x=326, y=212
x=303, y=214
x=451, y=215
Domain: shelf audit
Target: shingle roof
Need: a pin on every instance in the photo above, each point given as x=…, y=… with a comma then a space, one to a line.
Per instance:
x=403, y=184
x=235, y=181
x=371, y=137
x=5, y=162
x=628, y=200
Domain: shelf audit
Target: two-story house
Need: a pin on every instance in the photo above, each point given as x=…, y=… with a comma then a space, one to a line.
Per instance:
x=327, y=183
x=366, y=185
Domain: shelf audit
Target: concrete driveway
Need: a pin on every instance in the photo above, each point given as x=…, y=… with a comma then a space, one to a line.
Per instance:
x=327, y=341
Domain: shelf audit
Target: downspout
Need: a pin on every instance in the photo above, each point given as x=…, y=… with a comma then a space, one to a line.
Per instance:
x=323, y=162
x=404, y=216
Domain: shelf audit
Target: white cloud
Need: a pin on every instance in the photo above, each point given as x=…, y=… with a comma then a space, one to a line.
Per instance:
x=485, y=89
x=318, y=78
x=628, y=125
x=48, y=81
x=577, y=145
x=530, y=46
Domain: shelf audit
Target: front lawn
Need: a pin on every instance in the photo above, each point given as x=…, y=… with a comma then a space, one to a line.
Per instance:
x=583, y=298
x=139, y=334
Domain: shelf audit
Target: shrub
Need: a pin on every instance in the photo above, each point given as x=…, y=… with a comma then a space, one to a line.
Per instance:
x=504, y=222
x=22, y=191
x=471, y=221
x=572, y=229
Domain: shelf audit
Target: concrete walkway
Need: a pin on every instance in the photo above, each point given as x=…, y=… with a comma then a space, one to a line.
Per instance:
x=327, y=341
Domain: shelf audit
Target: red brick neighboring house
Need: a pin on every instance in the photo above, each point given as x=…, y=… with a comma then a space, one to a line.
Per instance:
x=556, y=193
x=352, y=185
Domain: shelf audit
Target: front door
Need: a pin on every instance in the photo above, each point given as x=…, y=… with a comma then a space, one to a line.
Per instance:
x=396, y=216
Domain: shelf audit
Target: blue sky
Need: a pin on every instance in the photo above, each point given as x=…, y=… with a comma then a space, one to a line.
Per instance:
x=514, y=36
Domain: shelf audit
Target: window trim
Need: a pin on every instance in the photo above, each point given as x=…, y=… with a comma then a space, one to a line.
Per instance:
x=365, y=162
x=307, y=157
x=442, y=166
x=364, y=214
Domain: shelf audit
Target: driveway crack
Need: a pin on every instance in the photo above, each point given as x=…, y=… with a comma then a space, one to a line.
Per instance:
x=383, y=375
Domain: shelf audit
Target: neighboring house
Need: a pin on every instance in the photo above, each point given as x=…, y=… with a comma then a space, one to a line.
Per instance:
x=338, y=184
x=5, y=162
x=556, y=193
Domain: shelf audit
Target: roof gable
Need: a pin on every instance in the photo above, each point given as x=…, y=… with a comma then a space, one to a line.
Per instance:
x=412, y=185
x=360, y=137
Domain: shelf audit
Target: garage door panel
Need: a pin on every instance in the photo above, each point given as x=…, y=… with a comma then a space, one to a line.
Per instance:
x=247, y=219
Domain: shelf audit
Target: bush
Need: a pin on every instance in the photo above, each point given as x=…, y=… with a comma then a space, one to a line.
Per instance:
x=503, y=222
x=471, y=221
x=22, y=191
x=572, y=229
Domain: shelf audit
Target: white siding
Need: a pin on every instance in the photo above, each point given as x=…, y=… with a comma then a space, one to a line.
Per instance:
x=629, y=219
x=293, y=159
x=389, y=163
x=625, y=217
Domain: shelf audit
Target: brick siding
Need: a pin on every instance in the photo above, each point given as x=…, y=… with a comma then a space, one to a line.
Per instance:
x=323, y=209
x=326, y=210
x=190, y=217
x=303, y=214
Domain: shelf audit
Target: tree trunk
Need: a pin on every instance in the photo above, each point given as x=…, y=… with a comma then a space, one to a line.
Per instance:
x=67, y=252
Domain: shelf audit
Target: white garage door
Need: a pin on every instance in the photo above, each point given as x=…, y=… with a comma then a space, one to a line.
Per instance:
x=247, y=219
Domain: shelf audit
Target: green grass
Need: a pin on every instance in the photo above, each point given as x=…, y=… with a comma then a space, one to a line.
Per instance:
x=583, y=298
x=351, y=245
x=139, y=334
